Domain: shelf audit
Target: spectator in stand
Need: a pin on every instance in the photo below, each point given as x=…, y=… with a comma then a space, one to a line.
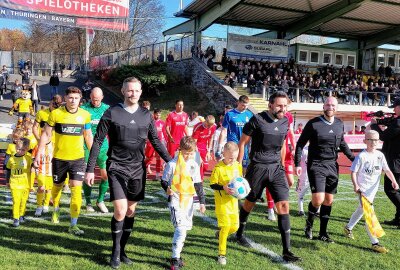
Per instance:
x=160, y=57
x=170, y=57
x=54, y=83
x=146, y=104
x=252, y=84
x=210, y=62
x=87, y=88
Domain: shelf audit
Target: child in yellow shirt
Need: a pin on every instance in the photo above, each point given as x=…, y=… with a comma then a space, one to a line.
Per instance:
x=226, y=206
x=19, y=166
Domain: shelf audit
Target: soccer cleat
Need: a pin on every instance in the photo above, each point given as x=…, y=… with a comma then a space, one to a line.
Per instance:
x=326, y=239
x=22, y=219
x=221, y=260
x=115, y=263
x=15, y=223
x=241, y=240
x=74, y=229
x=290, y=257
x=102, y=207
x=45, y=209
x=301, y=214
x=175, y=264
x=308, y=232
x=55, y=217
x=125, y=259
x=90, y=209
x=271, y=217
x=378, y=248
x=38, y=212
x=348, y=233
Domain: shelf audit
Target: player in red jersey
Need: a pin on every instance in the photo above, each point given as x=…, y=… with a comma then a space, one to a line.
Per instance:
x=203, y=133
x=150, y=153
x=176, y=127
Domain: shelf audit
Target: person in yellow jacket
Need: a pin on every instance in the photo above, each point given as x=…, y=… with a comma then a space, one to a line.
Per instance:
x=19, y=166
x=226, y=206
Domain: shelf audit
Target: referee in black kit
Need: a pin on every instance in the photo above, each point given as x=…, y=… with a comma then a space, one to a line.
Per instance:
x=325, y=134
x=391, y=148
x=267, y=131
x=128, y=126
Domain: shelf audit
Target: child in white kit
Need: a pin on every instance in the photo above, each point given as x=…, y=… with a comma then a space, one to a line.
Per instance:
x=182, y=180
x=366, y=174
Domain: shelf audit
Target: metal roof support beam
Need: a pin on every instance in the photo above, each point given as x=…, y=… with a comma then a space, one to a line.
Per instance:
x=183, y=28
x=321, y=16
x=217, y=11
x=384, y=37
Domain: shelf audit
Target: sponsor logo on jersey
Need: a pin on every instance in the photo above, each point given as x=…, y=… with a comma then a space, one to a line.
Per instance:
x=71, y=130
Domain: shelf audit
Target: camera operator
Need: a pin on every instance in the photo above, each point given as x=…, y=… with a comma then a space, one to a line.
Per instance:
x=391, y=148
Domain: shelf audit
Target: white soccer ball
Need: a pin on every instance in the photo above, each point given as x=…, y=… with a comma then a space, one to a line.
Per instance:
x=240, y=186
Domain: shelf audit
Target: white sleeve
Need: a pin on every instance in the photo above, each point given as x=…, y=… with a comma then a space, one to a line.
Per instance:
x=168, y=173
x=385, y=166
x=355, y=166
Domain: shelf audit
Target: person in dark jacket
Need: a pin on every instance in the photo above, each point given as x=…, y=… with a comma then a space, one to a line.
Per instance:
x=54, y=83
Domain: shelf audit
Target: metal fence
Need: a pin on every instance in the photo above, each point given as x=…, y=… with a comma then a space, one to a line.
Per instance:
x=41, y=64
x=179, y=48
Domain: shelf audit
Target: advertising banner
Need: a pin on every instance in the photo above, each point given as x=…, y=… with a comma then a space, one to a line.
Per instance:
x=257, y=48
x=109, y=15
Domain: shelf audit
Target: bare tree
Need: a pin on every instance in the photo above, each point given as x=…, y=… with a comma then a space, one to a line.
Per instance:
x=145, y=24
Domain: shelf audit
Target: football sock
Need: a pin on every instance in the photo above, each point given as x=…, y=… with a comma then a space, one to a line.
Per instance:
x=178, y=242
x=311, y=214
x=22, y=207
x=87, y=191
x=355, y=217
x=56, y=194
x=16, y=198
x=116, y=233
x=32, y=180
x=284, y=229
x=103, y=187
x=127, y=230
x=224, y=232
x=300, y=204
x=76, y=201
x=39, y=198
x=325, y=213
x=243, y=216
x=47, y=198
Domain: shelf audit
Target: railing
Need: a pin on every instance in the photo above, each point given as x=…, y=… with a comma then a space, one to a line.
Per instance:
x=179, y=48
x=300, y=94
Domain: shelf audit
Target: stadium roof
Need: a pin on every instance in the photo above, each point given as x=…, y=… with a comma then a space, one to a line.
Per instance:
x=374, y=22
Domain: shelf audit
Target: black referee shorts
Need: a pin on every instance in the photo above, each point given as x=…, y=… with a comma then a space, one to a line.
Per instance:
x=127, y=184
x=271, y=176
x=323, y=176
x=62, y=168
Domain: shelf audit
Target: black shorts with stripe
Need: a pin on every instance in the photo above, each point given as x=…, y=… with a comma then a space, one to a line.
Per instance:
x=75, y=169
x=271, y=176
x=127, y=184
x=323, y=176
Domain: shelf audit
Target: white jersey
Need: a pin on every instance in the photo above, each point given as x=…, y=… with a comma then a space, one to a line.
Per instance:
x=216, y=139
x=181, y=217
x=368, y=167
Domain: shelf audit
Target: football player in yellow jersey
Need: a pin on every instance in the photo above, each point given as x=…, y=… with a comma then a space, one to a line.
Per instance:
x=72, y=127
x=43, y=115
x=226, y=206
x=19, y=166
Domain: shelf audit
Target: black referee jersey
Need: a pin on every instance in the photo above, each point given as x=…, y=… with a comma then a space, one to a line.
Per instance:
x=127, y=133
x=325, y=140
x=267, y=137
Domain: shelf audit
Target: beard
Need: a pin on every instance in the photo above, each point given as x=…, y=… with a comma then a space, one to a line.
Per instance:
x=278, y=114
x=329, y=113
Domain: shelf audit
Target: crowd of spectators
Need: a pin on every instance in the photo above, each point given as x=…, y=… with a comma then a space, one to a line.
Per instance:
x=345, y=83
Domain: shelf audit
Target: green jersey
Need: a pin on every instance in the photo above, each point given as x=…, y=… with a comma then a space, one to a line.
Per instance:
x=95, y=115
